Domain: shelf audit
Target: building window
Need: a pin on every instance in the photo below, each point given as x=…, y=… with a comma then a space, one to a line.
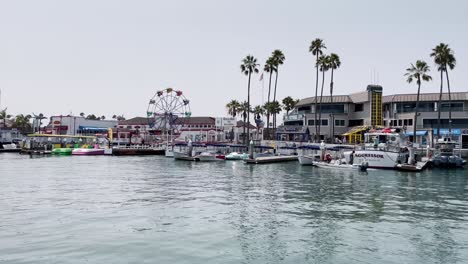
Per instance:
x=410, y=122
x=331, y=108
x=358, y=107
x=311, y=122
x=324, y=122
x=400, y=122
x=356, y=122
x=405, y=122
x=304, y=109
x=339, y=123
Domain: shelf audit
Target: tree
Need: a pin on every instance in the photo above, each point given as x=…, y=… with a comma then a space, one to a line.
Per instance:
x=103, y=117
x=92, y=117
x=334, y=63
x=444, y=59
x=417, y=72
x=82, y=114
x=275, y=108
x=323, y=64
x=289, y=104
x=4, y=116
x=22, y=122
x=249, y=65
x=269, y=67
x=245, y=110
x=316, y=47
x=278, y=59
x=233, y=107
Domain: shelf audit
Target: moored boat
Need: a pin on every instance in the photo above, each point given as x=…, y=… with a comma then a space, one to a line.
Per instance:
x=237, y=156
x=62, y=151
x=382, y=150
x=88, y=151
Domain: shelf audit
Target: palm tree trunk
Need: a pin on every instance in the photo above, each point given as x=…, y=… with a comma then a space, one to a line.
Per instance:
x=439, y=104
x=243, y=129
x=332, y=114
x=274, y=100
x=450, y=103
x=315, y=101
x=268, y=102
x=248, y=111
x=416, y=111
x=320, y=105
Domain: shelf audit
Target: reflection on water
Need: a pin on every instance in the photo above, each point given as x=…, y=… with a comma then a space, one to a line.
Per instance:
x=136, y=209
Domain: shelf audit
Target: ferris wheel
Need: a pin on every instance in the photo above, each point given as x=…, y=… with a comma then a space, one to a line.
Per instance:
x=165, y=108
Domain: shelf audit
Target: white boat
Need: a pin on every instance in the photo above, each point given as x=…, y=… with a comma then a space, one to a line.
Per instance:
x=307, y=159
x=338, y=164
x=382, y=150
x=206, y=156
x=88, y=151
x=237, y=156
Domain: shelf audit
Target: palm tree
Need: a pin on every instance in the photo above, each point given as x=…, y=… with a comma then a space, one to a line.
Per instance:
x=417, y=72
x=443, y=58
x=249, y=65
x=334, y=63
x=269, y=67
x=316, y=47
x=258, y=111
x=323, y=64
x=289, y=104
x=233, y=107
x=278, y=58
x=23, y=122
x=275, y=108
x=4, y=116
x=245, y=110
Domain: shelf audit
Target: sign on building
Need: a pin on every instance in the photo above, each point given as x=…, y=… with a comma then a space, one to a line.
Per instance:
x=225, y=122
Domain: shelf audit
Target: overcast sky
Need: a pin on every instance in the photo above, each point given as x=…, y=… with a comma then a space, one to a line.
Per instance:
x=110, y=57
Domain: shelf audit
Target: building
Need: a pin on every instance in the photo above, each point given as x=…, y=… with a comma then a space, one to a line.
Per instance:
x=399, y=112
x=73, y=125
x=355, y=113
x=348, y=111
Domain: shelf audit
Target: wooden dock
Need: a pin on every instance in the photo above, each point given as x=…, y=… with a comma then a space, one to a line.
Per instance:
x=419, y=166
x=272, y=159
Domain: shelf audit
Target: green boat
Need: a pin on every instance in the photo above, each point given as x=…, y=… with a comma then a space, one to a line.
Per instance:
x=62, y=151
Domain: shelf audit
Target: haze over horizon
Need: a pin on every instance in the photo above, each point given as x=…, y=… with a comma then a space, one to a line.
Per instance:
x=110, y=57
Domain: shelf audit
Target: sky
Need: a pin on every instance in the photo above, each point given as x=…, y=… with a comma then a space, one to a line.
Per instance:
x=110, y=57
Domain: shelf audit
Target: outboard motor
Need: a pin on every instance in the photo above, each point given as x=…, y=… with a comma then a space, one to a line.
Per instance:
x=364, y=165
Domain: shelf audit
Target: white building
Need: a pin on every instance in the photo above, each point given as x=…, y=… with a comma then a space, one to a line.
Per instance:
x=72, y=125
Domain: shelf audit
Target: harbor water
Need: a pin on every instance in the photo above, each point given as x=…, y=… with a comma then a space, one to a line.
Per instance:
x=157, y=210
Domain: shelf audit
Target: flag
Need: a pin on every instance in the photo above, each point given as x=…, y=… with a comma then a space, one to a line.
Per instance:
x=261, y=77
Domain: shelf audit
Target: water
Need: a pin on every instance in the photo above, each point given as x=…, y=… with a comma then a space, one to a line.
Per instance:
x=157, y=210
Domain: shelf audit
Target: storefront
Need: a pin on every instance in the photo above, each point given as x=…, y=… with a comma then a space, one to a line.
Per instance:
x=292, y=133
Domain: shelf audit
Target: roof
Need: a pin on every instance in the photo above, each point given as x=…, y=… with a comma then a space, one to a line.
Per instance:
x=241, y=124
x=457, y=96
x=196, y=120
x=325, y=99
x=134, y=121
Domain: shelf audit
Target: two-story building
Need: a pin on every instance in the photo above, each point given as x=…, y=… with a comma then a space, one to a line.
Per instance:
x=355, y=113
x=347, y=111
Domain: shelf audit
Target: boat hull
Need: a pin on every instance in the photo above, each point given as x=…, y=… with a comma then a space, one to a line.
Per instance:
x=306, y=160
x=87, y=152
x=377, y=159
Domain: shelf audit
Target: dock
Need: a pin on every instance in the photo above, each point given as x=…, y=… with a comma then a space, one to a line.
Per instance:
x=419, y=166
x=272, y=159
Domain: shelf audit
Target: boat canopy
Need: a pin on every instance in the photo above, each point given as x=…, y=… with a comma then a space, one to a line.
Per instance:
x=418, y=133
